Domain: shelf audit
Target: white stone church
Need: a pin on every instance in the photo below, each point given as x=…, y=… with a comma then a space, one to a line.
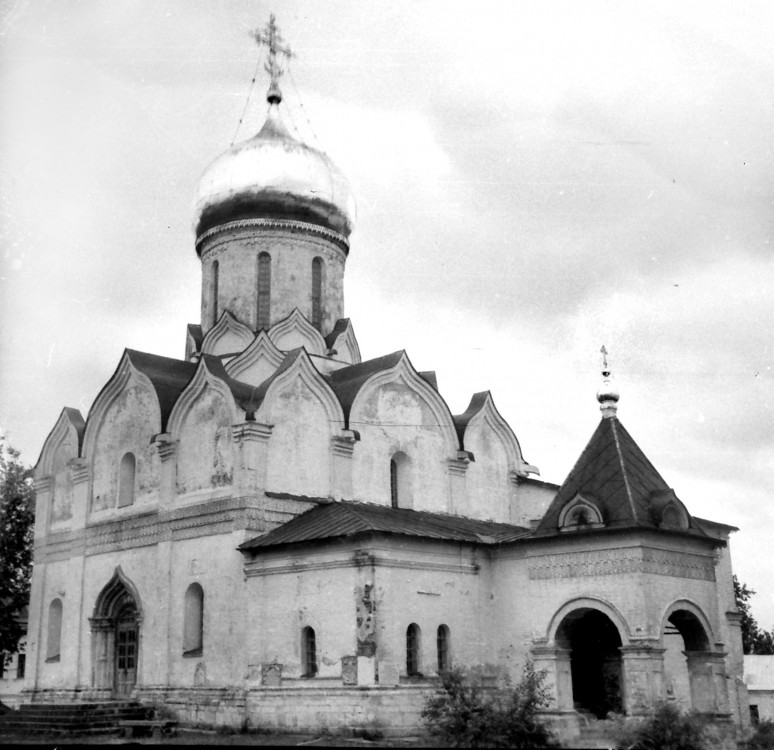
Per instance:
x=271, y=532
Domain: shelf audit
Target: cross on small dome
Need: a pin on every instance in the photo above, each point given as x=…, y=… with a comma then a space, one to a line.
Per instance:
x=608, y=394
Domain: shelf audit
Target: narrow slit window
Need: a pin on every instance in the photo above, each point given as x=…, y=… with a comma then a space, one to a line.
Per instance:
x=412, y=649
x=400, y=481
x=309, y=652
x=193, y=621
x=317, y=285
x=263, y=314
x=443, y=647
x=215, y=290
x=54, y=639
x=126, y=480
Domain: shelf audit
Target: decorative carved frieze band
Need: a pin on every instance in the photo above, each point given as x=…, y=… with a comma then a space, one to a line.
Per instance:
x=202, y=519
x=620, y=562
x=260, y=568
x=300, y=226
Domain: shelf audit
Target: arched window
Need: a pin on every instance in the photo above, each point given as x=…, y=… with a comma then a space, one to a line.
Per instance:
x=444, y=649
x=400, y=496
x=263, y=283
x=126, y=480
x=317, y=287
x=193, y=621
x=412, y=649
x=308, y=652
x=215, y=290
x=671, y=518
x=578, y=514
x=54, y=640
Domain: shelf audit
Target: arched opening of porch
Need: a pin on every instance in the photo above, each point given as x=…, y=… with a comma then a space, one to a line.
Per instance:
x=691, y=666
x=594, y=644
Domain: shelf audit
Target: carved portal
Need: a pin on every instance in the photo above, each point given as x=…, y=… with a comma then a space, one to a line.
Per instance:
x=115, y=637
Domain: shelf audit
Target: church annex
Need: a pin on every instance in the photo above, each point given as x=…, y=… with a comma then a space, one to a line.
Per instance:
x=272, y=532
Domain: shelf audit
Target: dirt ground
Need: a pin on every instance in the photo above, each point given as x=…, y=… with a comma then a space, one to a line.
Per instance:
x=208, y=737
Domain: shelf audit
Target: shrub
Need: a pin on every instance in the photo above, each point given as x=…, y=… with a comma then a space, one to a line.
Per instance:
x=667, y=728
x=464, y=713
x=161, y=711
x=762, y=738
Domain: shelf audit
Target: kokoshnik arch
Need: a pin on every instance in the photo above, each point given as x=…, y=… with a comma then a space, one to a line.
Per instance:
x=271, y=530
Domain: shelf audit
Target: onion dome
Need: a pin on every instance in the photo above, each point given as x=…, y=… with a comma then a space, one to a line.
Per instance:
x=273, y=175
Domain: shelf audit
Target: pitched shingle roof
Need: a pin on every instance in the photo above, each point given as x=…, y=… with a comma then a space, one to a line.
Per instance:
x=614, y=474
x=338, y=519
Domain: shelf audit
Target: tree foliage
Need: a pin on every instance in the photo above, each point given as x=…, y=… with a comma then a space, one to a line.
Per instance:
x=17, y=512
x=465, y=713
x=755, y=640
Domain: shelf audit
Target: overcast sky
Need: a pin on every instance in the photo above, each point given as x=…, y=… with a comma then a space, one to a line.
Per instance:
x=533, y=180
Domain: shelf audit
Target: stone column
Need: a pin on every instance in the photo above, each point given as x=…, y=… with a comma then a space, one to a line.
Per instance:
x=737, y=689
x=365, y=625
x=642, y=679
x=140, y=676
x=555, y=662
x=342, y=449
x=80, y=478
x=707, y=678
x=458, y=468
x=37, y=608
x=252, y=441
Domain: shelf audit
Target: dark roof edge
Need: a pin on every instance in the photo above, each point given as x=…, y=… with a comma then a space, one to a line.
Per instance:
x=539, y=482
x=702, y=537
x=722, y=525
x=351, y=536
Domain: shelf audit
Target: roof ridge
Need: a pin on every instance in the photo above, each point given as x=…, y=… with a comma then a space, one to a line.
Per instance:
x=625, y=474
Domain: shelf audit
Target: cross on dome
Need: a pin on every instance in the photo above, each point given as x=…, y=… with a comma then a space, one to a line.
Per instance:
x=272, y=39
x=607, y=395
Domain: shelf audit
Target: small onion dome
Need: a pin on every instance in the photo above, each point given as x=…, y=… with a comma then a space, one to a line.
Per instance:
x=274, y=176
x=608, y=395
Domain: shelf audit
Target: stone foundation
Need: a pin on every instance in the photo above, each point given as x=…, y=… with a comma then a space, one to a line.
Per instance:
x=392, y=712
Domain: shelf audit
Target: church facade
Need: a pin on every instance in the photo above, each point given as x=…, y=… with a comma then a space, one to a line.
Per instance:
x=271, y=532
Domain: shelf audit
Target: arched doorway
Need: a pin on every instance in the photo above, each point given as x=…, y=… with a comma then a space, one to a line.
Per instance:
x=115, y=635
x=594, y=644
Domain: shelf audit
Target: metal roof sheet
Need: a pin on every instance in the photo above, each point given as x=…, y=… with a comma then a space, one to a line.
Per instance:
x=337, y=519
x=617, y=476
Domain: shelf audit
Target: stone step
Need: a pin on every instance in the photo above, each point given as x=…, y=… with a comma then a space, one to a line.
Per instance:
x=71, y=718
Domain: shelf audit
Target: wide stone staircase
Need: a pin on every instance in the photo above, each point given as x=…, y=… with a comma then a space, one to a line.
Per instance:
x=70, y=718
